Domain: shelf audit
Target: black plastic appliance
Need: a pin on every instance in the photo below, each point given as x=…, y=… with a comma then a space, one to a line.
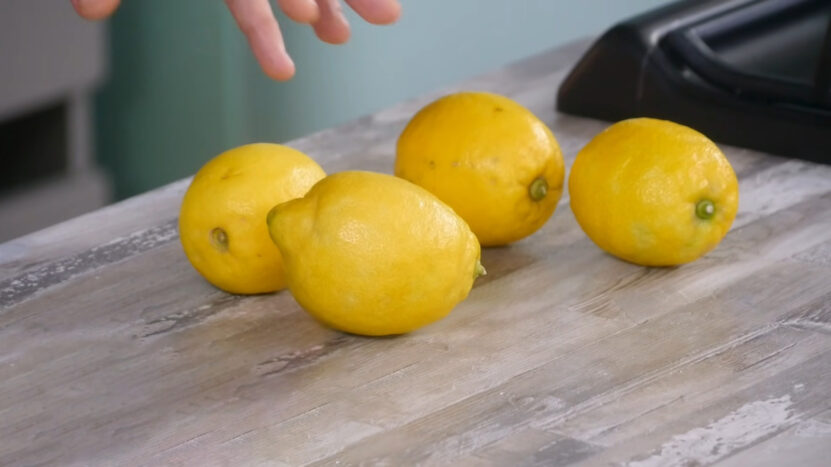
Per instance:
x=751, y=73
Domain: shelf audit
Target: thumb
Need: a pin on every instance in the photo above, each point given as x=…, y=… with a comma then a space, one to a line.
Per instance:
x=95, y=9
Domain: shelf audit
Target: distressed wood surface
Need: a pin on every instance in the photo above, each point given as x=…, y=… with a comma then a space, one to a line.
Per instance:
x=113, y=351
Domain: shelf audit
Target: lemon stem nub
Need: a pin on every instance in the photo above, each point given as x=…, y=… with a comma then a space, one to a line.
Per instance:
x=538, y=189
x=270, y=216
x=705, y=209
x=479, y=270
x=219, y=239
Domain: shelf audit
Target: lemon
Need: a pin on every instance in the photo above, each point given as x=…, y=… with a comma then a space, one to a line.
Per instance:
x=221, y=222
x=653, y=192
x=489, y=158
x=373, y=254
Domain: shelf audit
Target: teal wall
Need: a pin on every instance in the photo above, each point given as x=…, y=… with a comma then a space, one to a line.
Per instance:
x=184, y=86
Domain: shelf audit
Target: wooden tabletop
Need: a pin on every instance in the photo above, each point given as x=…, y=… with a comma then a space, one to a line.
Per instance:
x=113, y=351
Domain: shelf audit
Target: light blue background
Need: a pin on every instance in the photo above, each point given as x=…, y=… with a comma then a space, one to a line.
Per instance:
x=185, y=87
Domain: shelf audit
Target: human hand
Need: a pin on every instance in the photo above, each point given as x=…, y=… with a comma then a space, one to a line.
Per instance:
x=256, y=20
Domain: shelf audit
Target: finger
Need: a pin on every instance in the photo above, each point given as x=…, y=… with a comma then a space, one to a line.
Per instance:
x=377, y=11
x=256, y=20
x=302, y=11
x=332, y=26
x=95, y=9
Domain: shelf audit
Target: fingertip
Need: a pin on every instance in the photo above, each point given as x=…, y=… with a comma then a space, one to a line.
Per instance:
x=282, y=70
x=379, y=12
x=332, y=27
x=333, y=35
x=95, y=9
x=306, y=12
x=256, y=20
x=393, y=13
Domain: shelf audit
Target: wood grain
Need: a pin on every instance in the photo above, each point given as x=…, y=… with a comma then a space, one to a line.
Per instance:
x=113, y=351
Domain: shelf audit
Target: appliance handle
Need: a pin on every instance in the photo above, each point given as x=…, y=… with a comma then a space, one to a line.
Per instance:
x=701, y=59
x=822, y=81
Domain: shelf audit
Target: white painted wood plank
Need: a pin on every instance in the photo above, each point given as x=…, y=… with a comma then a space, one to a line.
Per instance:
x=807, y=443
x=114, y=351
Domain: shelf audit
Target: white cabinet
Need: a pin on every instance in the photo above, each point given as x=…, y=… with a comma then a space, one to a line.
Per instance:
x=49, y=59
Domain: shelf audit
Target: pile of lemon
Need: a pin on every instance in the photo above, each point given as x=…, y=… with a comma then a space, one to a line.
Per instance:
x=375, y=254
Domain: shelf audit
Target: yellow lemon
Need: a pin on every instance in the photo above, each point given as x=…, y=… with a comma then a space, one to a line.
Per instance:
x=222, y=219
x=653, y=192
x=373, y=254
x=489, y=158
